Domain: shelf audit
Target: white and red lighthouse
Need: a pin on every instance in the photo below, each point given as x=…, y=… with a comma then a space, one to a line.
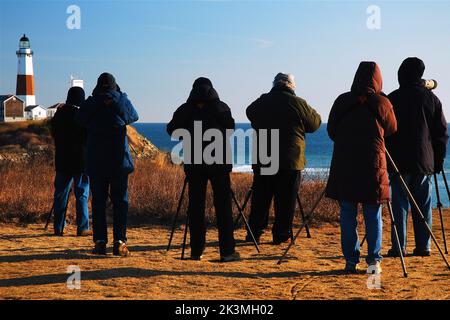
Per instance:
x=25, y=74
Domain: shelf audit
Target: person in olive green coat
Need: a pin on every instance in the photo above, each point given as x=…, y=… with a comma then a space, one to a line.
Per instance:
x=292, y=117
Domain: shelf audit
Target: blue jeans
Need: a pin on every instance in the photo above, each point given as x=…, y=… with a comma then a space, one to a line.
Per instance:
x=116, y=188
x=421, y=188
x=63, y=183
x=349, y=234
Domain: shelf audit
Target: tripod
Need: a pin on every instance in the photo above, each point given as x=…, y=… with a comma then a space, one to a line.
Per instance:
x=246, y=200
x=180, y=202
x=416, y=207
x=410, y=196
x=405, y=273
x=439, y=206
x=52, y=211
x=303, y=225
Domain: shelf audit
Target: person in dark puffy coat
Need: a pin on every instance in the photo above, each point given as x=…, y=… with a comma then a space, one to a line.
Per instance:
x=70, y=141
x=204, y=108
x=358, y=123
x=418, y=149
x=105, y=115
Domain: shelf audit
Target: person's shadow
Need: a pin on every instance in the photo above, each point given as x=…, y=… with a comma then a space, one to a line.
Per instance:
x=128, y=272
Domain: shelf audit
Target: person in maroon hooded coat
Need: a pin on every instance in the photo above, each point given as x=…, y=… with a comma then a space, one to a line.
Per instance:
x=358, y=123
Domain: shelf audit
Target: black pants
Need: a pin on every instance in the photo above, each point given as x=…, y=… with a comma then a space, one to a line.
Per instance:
x=283, y=187
x=220, y=182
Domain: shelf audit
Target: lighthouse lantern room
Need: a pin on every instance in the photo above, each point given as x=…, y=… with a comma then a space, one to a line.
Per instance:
x=25, y=74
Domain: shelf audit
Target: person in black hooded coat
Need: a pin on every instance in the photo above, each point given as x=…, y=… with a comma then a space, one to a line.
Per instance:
x=70, y=140
x=204, y=107
x=418, y=149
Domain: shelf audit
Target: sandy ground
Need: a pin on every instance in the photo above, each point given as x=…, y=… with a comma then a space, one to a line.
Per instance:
x=34, y=264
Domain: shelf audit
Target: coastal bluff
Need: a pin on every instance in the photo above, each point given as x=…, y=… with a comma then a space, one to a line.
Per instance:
x=22, y=141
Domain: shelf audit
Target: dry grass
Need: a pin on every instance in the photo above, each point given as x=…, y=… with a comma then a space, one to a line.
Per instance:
x=20, y=125
x=26, y=191
x=26, y=134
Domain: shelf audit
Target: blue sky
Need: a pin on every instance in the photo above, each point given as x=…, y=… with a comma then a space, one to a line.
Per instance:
x=157, y=48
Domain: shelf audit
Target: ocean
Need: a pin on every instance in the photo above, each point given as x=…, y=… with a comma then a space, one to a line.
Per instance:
x=319, y=149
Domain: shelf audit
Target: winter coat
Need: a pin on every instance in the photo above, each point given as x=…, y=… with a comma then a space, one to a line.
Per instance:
x=281, y=109
x=214, y=114
x=105, y=116
x=358, y=122
x=70, y=140
x=419, y=145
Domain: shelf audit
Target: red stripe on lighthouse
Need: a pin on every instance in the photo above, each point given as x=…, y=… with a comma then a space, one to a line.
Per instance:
x=25, y=85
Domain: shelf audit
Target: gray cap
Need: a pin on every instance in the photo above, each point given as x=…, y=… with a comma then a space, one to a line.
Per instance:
x=284, y=78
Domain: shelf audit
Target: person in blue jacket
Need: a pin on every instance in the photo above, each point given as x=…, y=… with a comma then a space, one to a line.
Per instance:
x=105, y=116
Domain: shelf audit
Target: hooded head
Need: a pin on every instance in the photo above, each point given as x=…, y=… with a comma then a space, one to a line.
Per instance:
x=75, y=96
x=411, y=71
x=202, y=91
x=367, y=79
x=106, y=82
x=202, y=82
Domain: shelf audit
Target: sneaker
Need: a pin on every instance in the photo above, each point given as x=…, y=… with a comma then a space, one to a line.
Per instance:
x=100, y=248
x=393, y=253
x=120, y=249
x=230, y=258
x=421, y=253
x=351, y=268
x=58, y=233
x=374, y=268
x=196, y=258
x=84, y=233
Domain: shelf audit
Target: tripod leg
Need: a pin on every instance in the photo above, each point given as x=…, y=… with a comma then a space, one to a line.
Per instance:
x=416, y=206
x=439, y=206
x=363, y=240
x=397, y=239
x=446, y=184
x=302, y=213
x=174, y=223
x=245, y=220
x=307, y=218
x=67, y=205
x=49, y=216
x=244, y=205
x=185, y=236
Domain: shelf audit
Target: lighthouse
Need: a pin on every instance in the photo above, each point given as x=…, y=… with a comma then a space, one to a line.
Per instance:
x=25, y=74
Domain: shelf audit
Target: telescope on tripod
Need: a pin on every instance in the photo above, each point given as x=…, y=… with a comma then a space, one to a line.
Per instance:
x=429, y=84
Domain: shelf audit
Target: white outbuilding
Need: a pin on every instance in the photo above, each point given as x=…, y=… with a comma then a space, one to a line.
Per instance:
x=36, y=112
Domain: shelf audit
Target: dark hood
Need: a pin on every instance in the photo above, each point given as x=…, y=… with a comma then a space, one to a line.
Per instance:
x=203, y=91
x=75, y=96
x=105, y=82
x=411, y=71
x=202, y=82
x=368, y=79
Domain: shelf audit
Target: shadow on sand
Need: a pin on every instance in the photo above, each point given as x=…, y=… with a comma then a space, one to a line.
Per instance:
x=127, y=272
